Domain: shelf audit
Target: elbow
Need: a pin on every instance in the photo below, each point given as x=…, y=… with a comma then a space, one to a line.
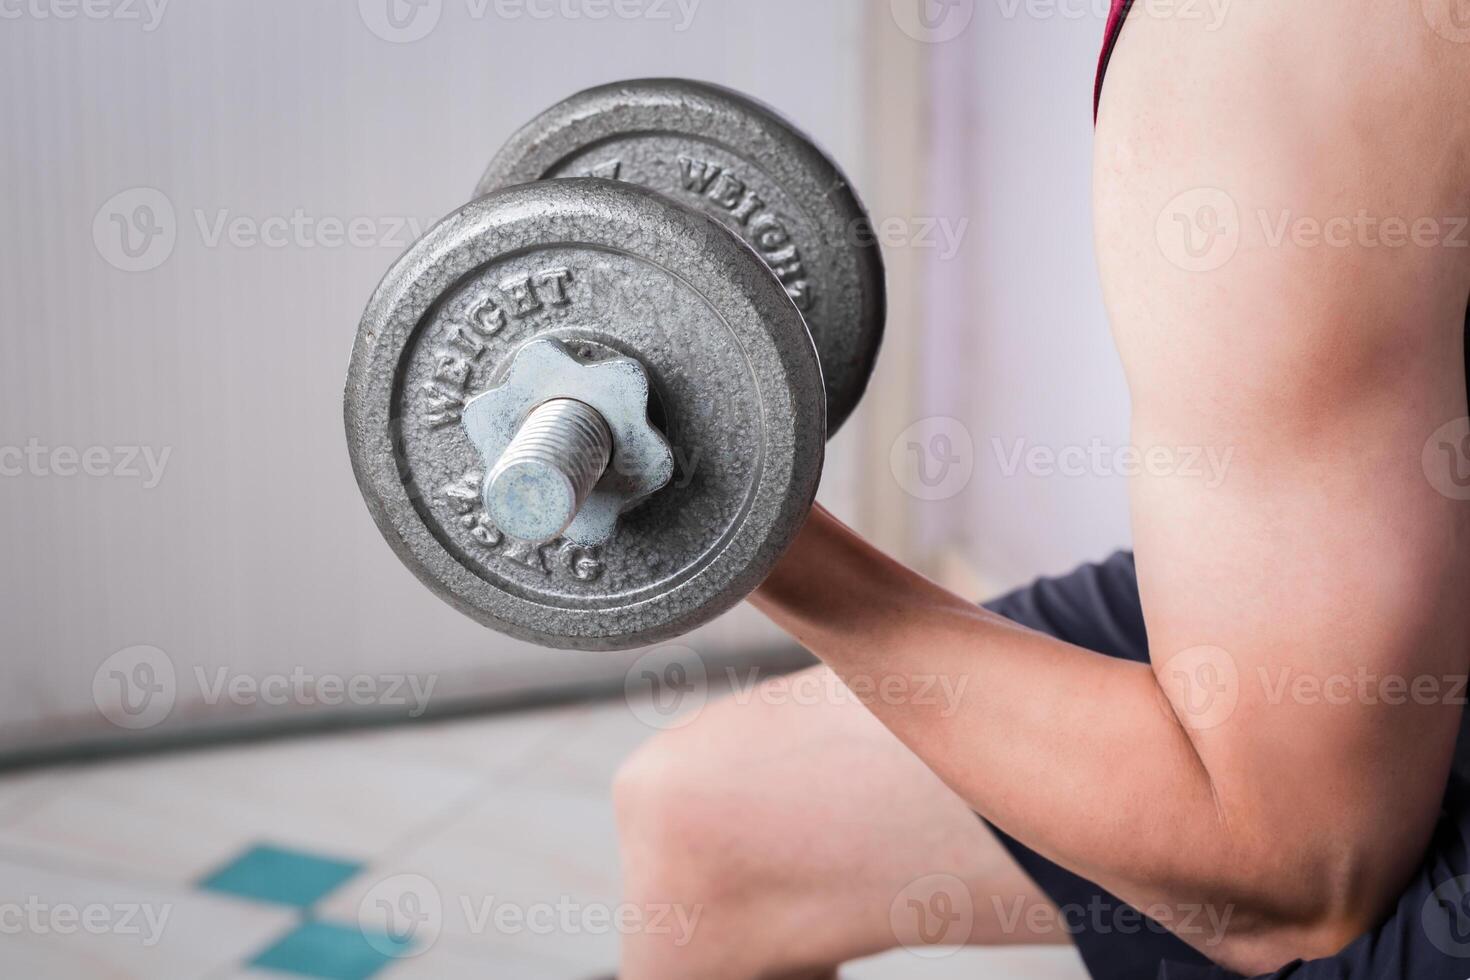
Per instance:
x=1305, y=894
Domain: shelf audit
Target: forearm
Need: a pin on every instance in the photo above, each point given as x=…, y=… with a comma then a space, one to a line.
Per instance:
x=1076, y=754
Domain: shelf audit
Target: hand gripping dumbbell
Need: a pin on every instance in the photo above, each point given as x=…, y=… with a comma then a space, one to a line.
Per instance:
x=589, y=408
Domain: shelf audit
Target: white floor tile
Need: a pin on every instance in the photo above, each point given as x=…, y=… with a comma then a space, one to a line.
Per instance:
x=587, y=756
x=493, y=746
x=508, y=811
x=98, y=835
x=177, y=817
x=22, y=790
x=546, y=854
x=1060, y=963
x=444, y=963
x=81, y=926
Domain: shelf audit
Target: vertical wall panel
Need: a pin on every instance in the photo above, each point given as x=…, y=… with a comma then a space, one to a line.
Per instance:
x=253, y=554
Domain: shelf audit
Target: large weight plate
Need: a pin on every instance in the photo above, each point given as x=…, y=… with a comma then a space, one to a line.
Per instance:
x=740, y=161
x=603, y=267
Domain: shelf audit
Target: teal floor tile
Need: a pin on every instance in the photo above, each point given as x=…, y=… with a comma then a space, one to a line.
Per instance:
x=329, y=951
x=283, y=877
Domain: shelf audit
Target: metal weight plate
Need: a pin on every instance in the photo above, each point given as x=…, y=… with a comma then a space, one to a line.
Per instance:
x=607, y=270
x=738, y=160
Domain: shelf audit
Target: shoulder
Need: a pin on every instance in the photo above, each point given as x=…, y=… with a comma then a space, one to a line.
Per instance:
x=1286, y=183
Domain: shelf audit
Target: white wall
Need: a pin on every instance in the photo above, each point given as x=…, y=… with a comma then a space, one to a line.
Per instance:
x=1044, y=369
x=255, y=553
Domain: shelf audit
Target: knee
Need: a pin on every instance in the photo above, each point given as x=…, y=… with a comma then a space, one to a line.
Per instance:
x=654, y=800
x=674, y=830
x=686, y=846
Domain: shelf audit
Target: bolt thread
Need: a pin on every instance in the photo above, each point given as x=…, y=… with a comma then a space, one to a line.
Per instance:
x=565, y=436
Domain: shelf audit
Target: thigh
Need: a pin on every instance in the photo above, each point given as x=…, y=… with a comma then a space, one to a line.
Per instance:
x=827, y=831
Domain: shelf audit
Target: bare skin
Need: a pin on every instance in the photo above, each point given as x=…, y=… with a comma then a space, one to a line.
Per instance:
x=793, y=822
x=1327, y=552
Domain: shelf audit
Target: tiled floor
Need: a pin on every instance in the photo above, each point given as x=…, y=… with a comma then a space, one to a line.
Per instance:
x=390, y=854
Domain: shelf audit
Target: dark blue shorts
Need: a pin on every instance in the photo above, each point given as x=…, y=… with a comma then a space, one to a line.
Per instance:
x=1427, y=935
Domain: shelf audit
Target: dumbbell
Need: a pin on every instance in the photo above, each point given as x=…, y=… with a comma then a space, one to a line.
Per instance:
x=589, y=408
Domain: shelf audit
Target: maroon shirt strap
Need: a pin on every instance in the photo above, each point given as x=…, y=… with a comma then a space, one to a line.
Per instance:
x=1115, y=26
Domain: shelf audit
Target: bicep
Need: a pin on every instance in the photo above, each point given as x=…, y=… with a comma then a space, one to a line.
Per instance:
x=1274, y=337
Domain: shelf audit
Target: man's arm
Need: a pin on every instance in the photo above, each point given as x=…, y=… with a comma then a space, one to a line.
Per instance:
x=1326, y=554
